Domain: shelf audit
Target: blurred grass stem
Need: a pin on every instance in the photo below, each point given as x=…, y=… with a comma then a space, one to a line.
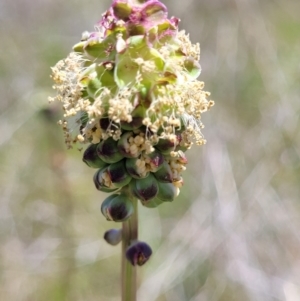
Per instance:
x=129, y=234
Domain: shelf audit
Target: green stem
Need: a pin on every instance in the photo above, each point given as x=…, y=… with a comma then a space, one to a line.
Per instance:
x=129, y=234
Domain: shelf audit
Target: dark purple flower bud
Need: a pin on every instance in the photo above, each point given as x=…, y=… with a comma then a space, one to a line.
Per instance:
x=108, y=151
x=113, y=236
x=153, y=203
x=138, y=253
x=105, y=123
x=91, y=158
x=118, y=208
x=118, y=174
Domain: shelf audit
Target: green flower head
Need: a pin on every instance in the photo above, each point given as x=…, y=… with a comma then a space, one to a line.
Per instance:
x=131, y=86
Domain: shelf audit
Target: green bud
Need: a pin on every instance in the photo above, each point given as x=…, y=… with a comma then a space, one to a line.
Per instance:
x=144, y=189
x=108, y=151
x=118, y=208
x=102, y=180
x=113, y=236
x=118, y=174
x=91, y=158
x=164, y=174
x=105, y=204
x=167, y=192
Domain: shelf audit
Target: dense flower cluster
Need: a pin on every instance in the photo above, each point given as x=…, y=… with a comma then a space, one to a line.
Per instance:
x=131, y=86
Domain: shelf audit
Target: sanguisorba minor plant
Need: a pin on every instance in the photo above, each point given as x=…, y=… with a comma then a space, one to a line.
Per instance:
x=131, y=87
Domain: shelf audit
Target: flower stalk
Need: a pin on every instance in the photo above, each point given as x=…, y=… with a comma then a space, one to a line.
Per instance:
x=129, y=235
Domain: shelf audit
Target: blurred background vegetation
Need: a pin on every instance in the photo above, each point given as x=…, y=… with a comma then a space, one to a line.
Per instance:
x=232, y=234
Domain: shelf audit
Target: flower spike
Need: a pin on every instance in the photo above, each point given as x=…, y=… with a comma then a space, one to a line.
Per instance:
x=129, y=90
